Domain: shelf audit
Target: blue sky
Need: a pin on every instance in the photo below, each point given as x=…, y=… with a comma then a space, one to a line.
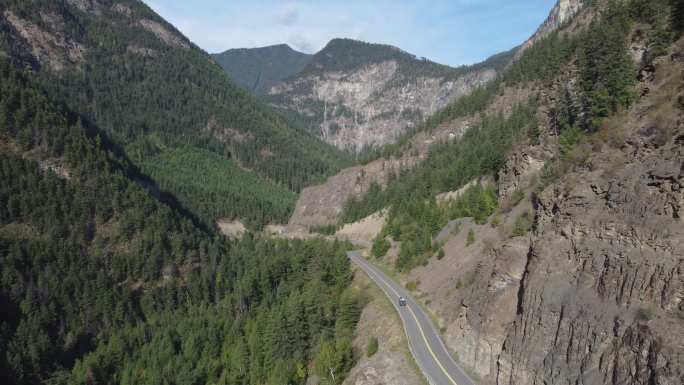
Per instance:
x=452, y=32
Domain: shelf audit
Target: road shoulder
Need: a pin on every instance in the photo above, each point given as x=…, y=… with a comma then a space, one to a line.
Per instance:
x=392, y=364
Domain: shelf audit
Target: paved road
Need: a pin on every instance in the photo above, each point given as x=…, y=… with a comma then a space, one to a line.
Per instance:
x=426, y=346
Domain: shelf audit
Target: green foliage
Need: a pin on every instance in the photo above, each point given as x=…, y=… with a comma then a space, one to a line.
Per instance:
x=523, y=225
x=380, y=246
x=607, y=73
x=326, y=229
x=333, y=360
x=471, y=237
x=414, y=216
x=478, y=202
x=177, y=95
x=517, y=196
x=542, y=61
x=448, y=166
x=105, y=284
x=213, y=187
x=677, y=16
x=372, y=346
x=569, y=138
x=440, y=254
x=533, y=133
x=258, y=69
x=655, y=14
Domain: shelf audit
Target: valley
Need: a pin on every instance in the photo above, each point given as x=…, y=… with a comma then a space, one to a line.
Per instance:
x=169, y=216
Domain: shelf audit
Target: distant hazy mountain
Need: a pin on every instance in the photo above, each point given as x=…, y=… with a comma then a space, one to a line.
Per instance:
x=258, y=69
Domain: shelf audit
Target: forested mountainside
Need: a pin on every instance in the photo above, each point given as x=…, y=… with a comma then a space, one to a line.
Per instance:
x=258, y=69
x=101, y=283
x=159, y=97
x=359, y=95
x=547, y=240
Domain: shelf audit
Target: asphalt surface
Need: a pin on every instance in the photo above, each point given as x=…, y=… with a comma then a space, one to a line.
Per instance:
x=424, y=342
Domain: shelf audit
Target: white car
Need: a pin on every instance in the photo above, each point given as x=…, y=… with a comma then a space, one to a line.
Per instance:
x=402, y=301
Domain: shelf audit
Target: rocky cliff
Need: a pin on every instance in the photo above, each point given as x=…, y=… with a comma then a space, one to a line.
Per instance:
x=593, y=295
x=590, y=290
x=322, y=204
x=374, y=97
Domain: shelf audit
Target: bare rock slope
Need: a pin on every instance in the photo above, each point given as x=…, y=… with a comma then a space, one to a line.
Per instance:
x=356, y=95
x=593, y=295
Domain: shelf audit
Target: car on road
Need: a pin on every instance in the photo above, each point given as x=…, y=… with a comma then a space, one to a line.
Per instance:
x=402, y=301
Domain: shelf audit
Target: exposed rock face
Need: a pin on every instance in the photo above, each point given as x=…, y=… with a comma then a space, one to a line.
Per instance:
x=562, y=12
x=518, y=172
x=231, y=228
x=49, y=48
x=164, y=34
x=594, y=295
x=601, y=296
x=371, y=103
x=322, y=204
x=363, y=231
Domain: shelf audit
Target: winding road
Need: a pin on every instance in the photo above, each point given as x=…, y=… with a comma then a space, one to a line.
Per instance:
x=424, y=342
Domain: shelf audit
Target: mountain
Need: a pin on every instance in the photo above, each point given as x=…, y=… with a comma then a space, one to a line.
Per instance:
x=167, y=105
x=564, y=11
x=539, y=218
x=258, y=69
x=106, y=280
x=357, y=95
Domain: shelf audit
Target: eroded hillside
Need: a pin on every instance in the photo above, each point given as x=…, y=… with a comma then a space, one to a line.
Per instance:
x=561, y=262
x=357, y=95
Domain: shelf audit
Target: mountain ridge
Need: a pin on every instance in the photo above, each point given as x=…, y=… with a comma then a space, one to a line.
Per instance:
x=258, y=69
x=358, y=95
x=71, y=46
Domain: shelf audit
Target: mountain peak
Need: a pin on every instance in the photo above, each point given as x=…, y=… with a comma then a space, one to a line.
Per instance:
x=280, y=48
x=561, y=13
x=257, y=69
x=344, y=43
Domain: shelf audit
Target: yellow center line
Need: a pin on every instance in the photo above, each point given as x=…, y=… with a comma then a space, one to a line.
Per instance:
x=422, y=333
x=429, y=348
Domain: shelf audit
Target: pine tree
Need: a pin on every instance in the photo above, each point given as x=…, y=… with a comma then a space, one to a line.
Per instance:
x=677, y=16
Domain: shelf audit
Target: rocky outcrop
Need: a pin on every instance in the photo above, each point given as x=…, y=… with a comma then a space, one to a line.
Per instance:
x=562, y=12
x=373, y=103
x=603, y=278
x=518, y=172
x=49, y=48
x=594, y=294
x=322, y=204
